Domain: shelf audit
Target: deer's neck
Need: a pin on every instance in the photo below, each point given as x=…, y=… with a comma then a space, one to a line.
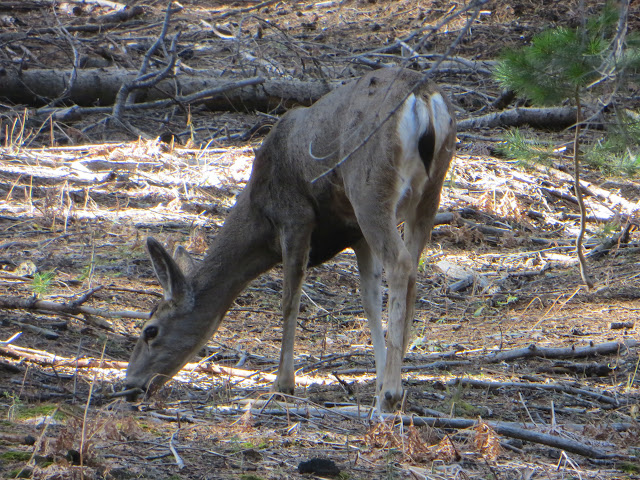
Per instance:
x=241, y=251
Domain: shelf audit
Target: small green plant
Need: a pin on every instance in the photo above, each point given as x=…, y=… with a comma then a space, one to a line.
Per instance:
x=238, y=445
x=607, y=229
x=20, y=473
x=612, y=161
x=23, y=412
x=15, y=456
x=508, y=301
x=41, y=283
x=629, y=467
x=633, y=377
x=550, y=68
x=618, y=153
x=16, y=403
x=516, y=146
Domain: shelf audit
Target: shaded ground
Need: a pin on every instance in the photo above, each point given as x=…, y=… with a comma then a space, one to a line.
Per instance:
x=89, y=225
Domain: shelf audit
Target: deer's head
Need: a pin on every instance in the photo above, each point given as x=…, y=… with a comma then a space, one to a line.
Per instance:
x=174, y=333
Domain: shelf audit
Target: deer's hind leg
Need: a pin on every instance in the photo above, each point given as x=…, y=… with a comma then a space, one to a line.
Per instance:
x=378, y=223
x=417, y=230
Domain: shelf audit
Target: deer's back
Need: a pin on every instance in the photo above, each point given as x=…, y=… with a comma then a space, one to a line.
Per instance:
x=308, y=142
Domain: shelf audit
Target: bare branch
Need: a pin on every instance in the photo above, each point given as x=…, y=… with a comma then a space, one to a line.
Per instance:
x=125, y=94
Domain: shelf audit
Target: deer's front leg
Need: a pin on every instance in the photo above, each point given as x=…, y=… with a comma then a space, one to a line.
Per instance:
x=295, y=256
x=370, y=269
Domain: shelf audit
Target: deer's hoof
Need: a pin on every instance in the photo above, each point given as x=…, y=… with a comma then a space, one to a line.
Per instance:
x=390, y=401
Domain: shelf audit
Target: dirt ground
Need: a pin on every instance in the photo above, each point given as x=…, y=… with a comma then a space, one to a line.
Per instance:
x=73, y=233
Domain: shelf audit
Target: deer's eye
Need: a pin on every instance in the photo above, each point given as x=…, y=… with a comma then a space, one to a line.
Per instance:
x=150, y=333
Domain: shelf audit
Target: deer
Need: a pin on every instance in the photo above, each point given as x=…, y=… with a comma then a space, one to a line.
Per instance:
x=345, y=172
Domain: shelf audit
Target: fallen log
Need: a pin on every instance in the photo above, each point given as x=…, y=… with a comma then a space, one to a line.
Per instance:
x=549, y=118
x=533, y=350
x=34, y=88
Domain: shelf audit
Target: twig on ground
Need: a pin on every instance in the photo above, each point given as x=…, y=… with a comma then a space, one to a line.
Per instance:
x=45, y=332
x=586, y=369
x=10, y=340
x=33, y=303
x=507, y=355
x=176, y=455
x=46, y=358
x=121, y=15
x=558, y=118
x=556, y=387
x=169, y=418
x=502, y=428
x=438, y=365
x=85, y=296
x=608, y=243
x=237, y=11
x=83, y=437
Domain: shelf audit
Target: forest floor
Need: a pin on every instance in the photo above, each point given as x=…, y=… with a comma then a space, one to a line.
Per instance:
x=73, y=221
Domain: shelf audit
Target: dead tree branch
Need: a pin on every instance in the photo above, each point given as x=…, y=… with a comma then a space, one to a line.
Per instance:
x=532, y=350
x=68, y=308
x=145, y=80
x=502, y=428
x=555, y=387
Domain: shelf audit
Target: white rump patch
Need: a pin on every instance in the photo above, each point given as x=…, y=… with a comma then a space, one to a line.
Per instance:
x=413, y=122
x=442, y=119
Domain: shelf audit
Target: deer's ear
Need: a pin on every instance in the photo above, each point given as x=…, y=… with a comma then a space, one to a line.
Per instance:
x=185, y=261
x=167, y=271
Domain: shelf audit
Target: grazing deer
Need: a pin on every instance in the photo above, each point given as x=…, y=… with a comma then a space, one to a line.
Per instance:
x=344, y=172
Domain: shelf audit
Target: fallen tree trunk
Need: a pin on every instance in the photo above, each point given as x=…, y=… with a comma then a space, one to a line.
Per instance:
x=100, y=86
x=550, y=118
